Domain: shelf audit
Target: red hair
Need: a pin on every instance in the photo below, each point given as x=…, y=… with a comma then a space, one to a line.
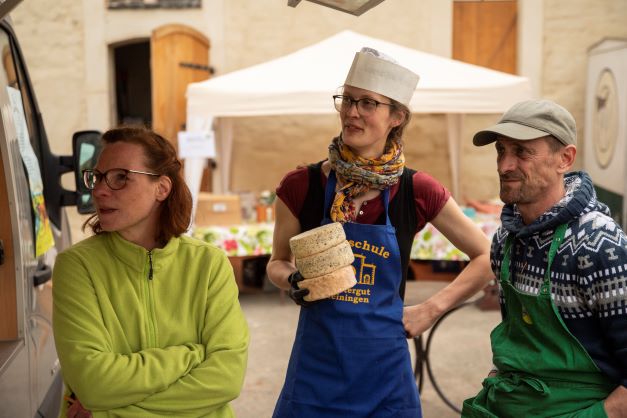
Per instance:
x=176, y=210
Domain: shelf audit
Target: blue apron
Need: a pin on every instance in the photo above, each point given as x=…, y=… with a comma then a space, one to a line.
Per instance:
x=350, y=356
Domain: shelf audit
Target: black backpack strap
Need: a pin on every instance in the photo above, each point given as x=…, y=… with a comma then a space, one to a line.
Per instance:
x=402, y=212
x=310, y=215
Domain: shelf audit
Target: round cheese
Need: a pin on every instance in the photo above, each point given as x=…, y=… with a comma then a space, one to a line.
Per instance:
x=330, y=284
x=326, y=261
x=317, y=240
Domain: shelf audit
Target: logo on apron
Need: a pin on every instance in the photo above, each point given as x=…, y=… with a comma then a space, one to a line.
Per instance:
x=365, y=271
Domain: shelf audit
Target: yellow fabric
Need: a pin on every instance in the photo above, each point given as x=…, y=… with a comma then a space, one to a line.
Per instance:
x=358, y=175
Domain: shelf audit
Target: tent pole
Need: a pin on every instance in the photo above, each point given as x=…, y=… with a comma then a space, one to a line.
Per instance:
x=455, y=125
x=224, y=152
x=192, y=171
x=194, y=166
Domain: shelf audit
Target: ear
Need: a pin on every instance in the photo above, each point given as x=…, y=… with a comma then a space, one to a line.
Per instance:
x=164, y=187
x=567, y=158
x=397, y=118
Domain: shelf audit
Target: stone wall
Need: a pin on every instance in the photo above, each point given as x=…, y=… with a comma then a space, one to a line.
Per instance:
x=570, y=28
x=51, y=39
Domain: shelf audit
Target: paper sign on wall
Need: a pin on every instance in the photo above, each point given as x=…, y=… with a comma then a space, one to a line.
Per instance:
x=196, y=144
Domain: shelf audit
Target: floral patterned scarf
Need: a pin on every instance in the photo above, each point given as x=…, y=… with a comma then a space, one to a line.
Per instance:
x=358, y=175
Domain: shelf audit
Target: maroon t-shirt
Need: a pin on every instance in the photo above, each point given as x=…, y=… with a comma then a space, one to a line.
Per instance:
x=429, y=195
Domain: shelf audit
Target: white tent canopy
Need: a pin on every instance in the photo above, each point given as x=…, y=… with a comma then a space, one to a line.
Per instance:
x=303, y=82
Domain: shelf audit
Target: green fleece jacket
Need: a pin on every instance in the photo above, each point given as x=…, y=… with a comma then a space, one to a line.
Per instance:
x=149, y=333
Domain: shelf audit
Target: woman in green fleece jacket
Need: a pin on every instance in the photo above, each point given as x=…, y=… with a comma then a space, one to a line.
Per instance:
x=147, y=321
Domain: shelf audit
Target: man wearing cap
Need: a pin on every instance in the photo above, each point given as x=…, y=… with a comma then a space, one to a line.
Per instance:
x=350, y=356
x=561, y=261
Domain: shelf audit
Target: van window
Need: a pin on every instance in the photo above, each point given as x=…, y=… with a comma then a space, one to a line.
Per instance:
x=13, y=70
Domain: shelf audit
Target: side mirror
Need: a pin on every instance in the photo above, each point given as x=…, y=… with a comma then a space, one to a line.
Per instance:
x=86, y=147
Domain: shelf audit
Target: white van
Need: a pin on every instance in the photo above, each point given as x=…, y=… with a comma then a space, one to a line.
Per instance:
x=33, y=229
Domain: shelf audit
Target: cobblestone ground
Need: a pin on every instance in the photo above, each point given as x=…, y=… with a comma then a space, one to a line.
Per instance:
x=460, y=352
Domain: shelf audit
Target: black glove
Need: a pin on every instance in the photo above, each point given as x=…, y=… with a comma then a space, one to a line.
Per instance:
x=297, y=294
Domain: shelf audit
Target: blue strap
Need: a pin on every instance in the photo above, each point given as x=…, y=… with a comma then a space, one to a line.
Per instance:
x=329, y=195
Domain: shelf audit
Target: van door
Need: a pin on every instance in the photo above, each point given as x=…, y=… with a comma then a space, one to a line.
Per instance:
x=30, y=381
x=14, y=381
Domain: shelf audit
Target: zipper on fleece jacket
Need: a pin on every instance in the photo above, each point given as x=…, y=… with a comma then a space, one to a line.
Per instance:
x=150, y=263
x=149, y=302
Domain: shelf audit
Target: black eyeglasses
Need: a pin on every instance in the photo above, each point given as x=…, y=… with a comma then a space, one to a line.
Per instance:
x=115, y=178
x=365, y=106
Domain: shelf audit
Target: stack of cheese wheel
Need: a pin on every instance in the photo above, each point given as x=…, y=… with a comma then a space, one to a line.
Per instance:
x=324, y=258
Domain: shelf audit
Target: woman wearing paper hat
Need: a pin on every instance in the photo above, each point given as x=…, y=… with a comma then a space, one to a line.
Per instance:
x=350, y=356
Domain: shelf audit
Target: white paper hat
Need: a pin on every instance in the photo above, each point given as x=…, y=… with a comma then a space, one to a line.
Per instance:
x=374, y=71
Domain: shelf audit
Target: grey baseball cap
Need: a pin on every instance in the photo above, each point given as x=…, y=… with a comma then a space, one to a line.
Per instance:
x=532, y=119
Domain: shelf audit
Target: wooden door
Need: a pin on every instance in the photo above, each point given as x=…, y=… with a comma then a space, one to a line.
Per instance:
x=8, y=298
x=179, y=56
x=484, y=33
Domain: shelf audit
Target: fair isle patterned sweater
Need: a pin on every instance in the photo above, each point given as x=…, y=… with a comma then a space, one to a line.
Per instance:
x=589, y=273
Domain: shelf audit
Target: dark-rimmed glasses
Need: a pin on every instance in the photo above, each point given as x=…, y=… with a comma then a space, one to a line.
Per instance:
x=115, y=178
x=365, y=106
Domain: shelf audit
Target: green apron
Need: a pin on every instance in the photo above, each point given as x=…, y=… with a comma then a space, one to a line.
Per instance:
x=543, y=369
